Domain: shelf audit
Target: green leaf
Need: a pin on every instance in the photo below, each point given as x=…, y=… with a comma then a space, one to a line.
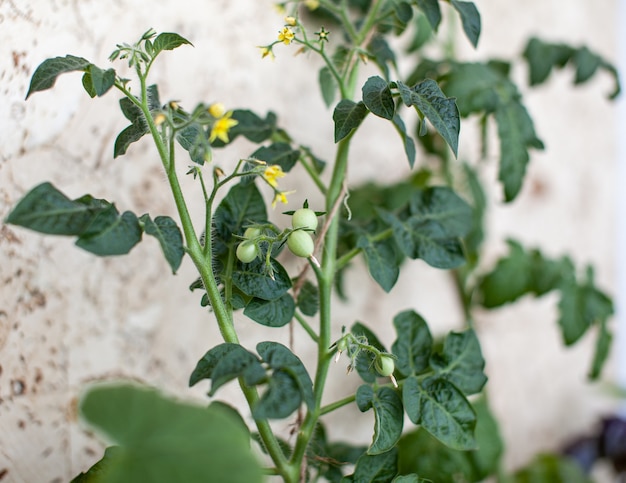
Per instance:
x=236, y=362
x=347, y=116
x=442, y=410
x=251, y=126
x=204, y=367
x=279, y=357
x=441, y=111
x=549, y=468
x=45, y=209
x=281, y=154
x=517, y=135
x=379, y=468
x=253, y=280
x=382, y=53
x=138, y=127
x=281, y=398
x=128, y=136
x=98, y=472
x=271, y=313
x=413, y=344
x=195, y=141
x=328, y=86
x=47, y=72
x=365, y=360
x=241, y=206
x=409, y=144
x=470, y=19
x=377, y=97
x=601, y=354
x=581, y=306
x=117, y=238
x=474, y=238
x=461, y=362
x=97, y=82
x=431, y=11
x=308, y=299
x=166, y=231
x=381, y=260
x=163, y=440
x=388, y=415
x=168, y=41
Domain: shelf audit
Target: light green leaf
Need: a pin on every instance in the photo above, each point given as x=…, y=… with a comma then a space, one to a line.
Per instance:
x=431, y=11
x=168, y=41
x=388, y=415
x=442, y=410
x=347, y=116
x=162, y=440
x=381, y=260
x=601, y=353
x=271, y=313
x=413, y=344
x=166, y=231
x=98, y=472
x=279, y=357
x=47, y=72
x=441, y=111
x=470, y=19
x=461, y=362
x=377, y=97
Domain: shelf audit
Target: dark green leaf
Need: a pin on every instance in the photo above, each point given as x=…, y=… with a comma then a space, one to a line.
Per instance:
x=347, y=116
x=251, y=126
x=409, y=144
x=271, y=313
x=168, y=41
x=431, y=11
x=253, y=280
x=308, y=299
x=328, y=86
x=377, y=97
x=413, y=344
x=138, y=127
x=441, y=111
x=46, y=74
x=381, y=260
x=379, y=468
x=281, y=154
x=461, y=362
x=99, y=80
x=388, y=415
x=204, y=367
x=517, y=135
x=118, y=238
x=163, y=440
x=603, y=347
x=474, y=238
x=281, y=398
x=382, y=53
x=549, y=468
x=194, y=140
x=166, y=231
x=236, y=362
x=365, y=360
x=279, y=357
x=442, y=410
x=470, y=19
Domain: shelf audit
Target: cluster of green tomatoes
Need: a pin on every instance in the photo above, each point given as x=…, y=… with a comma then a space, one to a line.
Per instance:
x=299, y=239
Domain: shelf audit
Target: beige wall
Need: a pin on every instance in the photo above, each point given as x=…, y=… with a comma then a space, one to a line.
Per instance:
x=67, y=318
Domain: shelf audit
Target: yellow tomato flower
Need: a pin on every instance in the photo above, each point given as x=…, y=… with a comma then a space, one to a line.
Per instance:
x=312, y=4
x=280, y=196
x=267, y=52
x=291, y=21
x=286, y=35
x=217, y=110
x=221, y=127
x=272, y=173
x=159, y=119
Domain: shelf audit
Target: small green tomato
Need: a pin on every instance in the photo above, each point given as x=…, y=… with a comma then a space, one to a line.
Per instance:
x=246, y=251
x=251, y=232
x=342, y=344
x=384, y=365
x=304, y=218
x=300, y=243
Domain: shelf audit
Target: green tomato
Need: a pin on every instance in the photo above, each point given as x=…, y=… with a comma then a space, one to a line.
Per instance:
x=247, y=251
x=384, y=365
x=342, y=344
x=251, y=232
x=304, y=218
x=300, y=243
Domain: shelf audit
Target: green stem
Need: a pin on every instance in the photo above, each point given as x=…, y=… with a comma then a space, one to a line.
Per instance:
x=337, y=404
x=305, y=325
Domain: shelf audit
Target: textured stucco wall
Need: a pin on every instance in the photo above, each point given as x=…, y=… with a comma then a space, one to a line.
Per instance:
x=67, y=318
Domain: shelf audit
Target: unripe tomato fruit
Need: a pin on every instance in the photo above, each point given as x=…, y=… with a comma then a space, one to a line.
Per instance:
x=385, y=365
x=300, y=243
x=251, y=232
x=304, y=218
x=246, y=251
x=342, y=344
